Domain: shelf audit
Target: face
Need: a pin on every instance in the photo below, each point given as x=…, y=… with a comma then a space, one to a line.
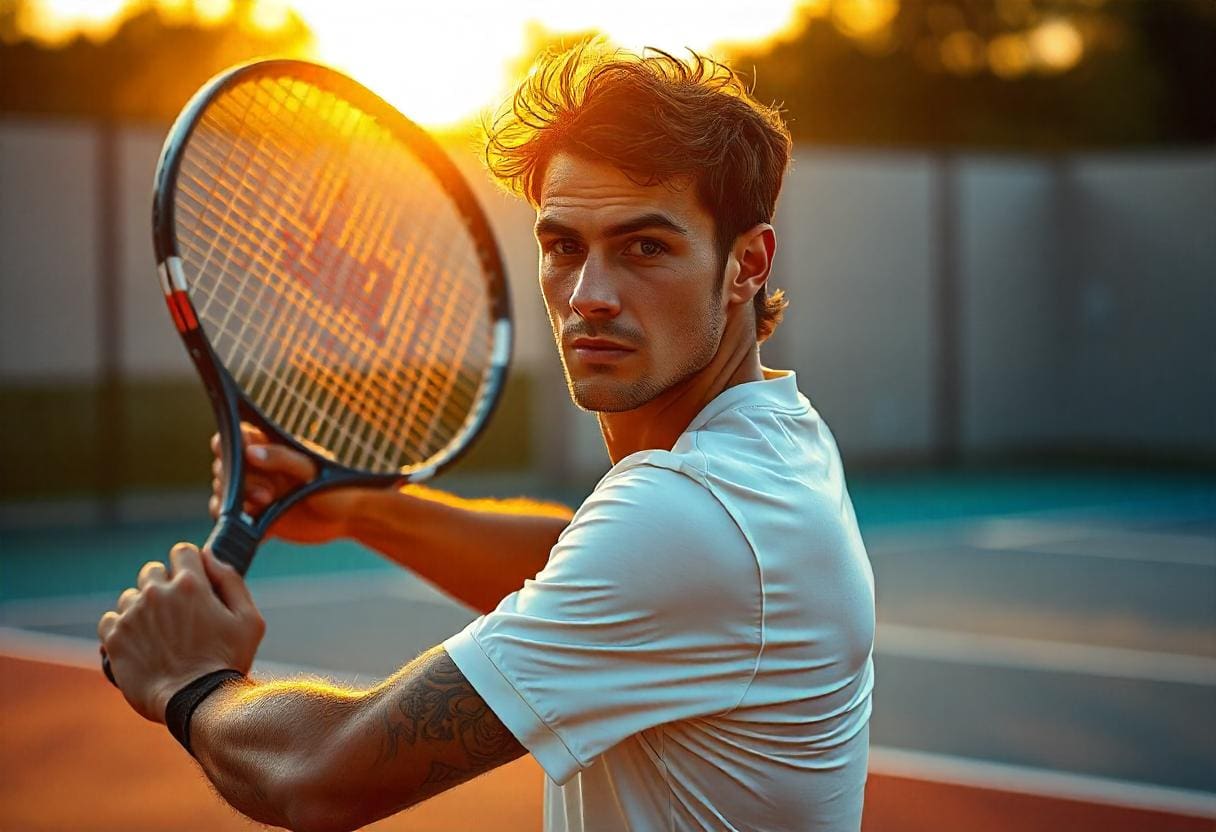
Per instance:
x=631, y=279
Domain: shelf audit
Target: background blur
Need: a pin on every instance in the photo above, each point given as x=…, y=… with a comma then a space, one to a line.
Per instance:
x=999, y=240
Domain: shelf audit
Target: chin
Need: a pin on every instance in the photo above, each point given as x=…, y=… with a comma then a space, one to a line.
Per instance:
x=598, y=395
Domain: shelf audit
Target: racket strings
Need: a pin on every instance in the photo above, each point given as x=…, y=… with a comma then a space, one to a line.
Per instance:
x=333, y=275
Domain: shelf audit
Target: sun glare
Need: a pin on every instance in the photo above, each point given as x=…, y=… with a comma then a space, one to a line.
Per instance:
x=447, y=62
x=1057, y=44
x=441, y=63
x=57, y=21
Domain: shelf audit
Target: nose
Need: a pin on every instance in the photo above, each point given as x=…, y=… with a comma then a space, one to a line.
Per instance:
x=595, y=296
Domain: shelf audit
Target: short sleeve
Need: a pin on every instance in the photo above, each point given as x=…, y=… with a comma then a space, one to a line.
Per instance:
x=648, y=611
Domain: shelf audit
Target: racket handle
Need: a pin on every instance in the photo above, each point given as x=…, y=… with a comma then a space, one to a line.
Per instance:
x=234, y=542
x=105, y=667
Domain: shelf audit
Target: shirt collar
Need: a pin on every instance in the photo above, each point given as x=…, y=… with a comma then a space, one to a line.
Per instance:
x=778, y=390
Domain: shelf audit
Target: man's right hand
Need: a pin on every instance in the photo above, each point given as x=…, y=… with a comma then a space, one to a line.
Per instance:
x=271, y=471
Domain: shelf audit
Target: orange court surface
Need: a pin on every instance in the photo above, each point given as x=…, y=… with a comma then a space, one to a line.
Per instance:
x=1038, y=667
x=74, y=757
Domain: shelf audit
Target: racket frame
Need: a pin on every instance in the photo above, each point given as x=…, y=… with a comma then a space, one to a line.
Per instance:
x=236, y=534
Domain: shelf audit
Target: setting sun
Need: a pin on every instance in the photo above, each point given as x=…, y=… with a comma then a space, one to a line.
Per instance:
x=444, y=63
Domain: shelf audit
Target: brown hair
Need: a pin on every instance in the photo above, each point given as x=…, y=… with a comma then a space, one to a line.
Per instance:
x=656, y=118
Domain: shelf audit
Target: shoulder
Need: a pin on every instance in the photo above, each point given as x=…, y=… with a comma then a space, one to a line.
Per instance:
x=657, y=530
x=652, y=497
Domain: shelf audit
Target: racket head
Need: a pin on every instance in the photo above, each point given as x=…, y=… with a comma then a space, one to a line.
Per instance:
x=300, y=219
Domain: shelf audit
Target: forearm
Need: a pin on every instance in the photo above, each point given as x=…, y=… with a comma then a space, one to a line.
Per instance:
x=312, y=757
x=478, y=551
x=263, y=745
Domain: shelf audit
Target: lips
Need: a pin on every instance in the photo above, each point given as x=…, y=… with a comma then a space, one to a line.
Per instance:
x=600, y=350
x=599, y=344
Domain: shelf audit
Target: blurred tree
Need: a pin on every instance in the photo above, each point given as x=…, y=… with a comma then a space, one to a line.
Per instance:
x=1001, y=74
x=147, y=69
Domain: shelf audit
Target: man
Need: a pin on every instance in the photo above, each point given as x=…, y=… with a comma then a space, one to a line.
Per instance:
x=690, y=650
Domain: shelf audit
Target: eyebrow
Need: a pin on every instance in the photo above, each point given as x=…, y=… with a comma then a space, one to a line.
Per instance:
x=548, y=225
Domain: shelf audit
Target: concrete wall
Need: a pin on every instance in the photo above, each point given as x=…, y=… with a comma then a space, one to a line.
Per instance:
x=855, y=258
x=48, y=251
x=1085, y=295
x=1008, y=249
x=1141, y=350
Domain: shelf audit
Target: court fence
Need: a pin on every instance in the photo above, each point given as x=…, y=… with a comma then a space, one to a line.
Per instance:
x=947, y=308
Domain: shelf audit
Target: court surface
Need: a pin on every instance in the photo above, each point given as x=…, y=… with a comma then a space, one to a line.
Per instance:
x=1046, y=659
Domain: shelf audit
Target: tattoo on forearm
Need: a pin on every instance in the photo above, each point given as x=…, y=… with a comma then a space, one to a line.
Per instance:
x=439, y=706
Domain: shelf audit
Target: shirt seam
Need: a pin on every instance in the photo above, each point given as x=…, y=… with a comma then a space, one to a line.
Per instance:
x=784, y=410
x=776, y=408
x=507, y=681
x=696, y=438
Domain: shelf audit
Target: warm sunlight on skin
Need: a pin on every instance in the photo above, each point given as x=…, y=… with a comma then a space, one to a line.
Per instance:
x=445, y=62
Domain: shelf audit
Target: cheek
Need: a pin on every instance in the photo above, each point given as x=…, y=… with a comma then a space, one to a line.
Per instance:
x=550, y=293
x=683, y=313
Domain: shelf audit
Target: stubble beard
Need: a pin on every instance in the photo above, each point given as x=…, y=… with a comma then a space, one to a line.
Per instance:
x=599, y=392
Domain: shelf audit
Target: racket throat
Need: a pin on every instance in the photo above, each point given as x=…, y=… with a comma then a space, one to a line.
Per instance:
x=233, y=541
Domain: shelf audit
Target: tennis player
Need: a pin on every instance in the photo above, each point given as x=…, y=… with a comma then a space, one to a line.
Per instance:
x=691, y=649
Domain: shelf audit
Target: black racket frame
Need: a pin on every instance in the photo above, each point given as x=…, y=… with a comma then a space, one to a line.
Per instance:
x=236, y=534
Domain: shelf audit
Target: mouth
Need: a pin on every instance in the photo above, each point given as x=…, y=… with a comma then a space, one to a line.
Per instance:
x=599, y=350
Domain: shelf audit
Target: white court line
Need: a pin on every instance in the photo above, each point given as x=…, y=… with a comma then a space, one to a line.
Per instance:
x=1014, y=536
x=892, y=639
x=268, y=593
x=893, y=762
x=1038, y=782
x=69, y=651
x=1037, y=654
x=1022, y=537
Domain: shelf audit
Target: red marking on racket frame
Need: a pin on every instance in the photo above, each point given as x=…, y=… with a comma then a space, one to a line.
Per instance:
x=181, y=310
x=177, y=319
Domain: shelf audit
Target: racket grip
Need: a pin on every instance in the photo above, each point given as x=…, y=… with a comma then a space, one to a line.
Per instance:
x=234, y=542
x=105, y=667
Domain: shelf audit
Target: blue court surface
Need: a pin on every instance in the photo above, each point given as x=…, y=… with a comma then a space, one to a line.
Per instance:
x=1046, y=632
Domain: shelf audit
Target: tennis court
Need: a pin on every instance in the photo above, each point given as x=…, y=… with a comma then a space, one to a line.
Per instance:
x=1046, y=659
x=996, y=236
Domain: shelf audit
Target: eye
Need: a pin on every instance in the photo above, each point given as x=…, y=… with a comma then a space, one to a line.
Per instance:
x=563, y=247
x=645, y=247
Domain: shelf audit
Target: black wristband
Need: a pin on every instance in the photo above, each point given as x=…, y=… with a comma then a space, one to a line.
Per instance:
x=181, y=707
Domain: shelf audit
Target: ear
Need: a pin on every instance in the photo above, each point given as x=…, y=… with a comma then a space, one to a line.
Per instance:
x=751, y=261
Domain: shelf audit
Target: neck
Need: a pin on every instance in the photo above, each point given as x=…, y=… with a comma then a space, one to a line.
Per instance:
x=659, y=422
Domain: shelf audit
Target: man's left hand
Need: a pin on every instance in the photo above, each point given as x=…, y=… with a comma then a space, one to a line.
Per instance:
x=170, y=629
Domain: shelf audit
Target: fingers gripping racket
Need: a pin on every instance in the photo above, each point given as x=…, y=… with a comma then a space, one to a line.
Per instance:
x=334, y=280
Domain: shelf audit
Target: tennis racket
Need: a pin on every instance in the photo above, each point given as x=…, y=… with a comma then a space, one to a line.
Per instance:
x=334, y=280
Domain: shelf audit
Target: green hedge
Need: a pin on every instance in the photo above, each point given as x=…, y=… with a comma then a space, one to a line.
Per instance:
x=54, y=441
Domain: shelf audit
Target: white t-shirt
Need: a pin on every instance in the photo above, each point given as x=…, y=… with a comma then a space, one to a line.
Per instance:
x=696, y=654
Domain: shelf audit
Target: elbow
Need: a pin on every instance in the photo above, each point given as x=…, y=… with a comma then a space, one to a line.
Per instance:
x=310, y=801
x=323, y=797
x=315, y=819
x=331, y=814
x=302, y=814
